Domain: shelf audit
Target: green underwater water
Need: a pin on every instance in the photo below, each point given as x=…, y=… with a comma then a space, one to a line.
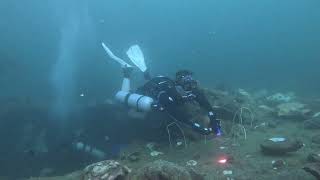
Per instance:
x=58, y=84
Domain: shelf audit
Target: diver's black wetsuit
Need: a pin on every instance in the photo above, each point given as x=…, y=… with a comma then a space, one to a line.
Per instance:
x=168, y=96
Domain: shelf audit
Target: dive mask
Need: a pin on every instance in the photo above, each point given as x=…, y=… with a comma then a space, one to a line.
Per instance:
x=188, y=82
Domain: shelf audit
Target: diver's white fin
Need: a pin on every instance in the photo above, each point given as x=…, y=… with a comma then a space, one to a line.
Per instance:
x=114, y=57
x=136, y=56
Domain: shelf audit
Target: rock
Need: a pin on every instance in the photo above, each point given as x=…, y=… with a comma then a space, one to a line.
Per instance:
x=277, y=164
x=316, y=139
x=267, y=108
x=272, y=124
x=281, y=98
x=292, y=174
x=155, y=153
x=313, y=123
x=133, y=157
x=196, y=156
x=227, y=172
x=151, y=146
x=314, y=157
x=313, y=168
x=316, y=115
x=292, y=109
x=108, y=170
x=274, y=147
x=164, y=170
x=192, y=163
x=195, y=175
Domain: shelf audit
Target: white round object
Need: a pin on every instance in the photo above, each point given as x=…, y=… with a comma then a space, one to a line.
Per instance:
x=179, y=143
x=227, y=172
x=192, y=163
x=277, y=139
x=155, y=153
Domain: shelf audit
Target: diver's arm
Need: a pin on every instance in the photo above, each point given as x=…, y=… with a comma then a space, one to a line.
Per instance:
x=195, y=126
x=204, y=103
x=168, y=104
x=202, y=100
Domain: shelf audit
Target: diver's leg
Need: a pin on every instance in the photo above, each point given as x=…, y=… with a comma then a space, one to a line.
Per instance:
x=147, y=75
x=125, y=85
x=126, y=80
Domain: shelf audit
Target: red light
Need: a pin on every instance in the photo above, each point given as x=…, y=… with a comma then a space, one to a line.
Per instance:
x=222, y=161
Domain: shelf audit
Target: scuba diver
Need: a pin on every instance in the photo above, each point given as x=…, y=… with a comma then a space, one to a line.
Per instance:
x=164, y=94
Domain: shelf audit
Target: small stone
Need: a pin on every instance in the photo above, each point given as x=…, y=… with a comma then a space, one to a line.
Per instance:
x=227, y=172
x=179, y=143
x=316, y=115
x=155, y=153
x=133, y=157
x=272, y=124
x=151, y=146
x=196, y=156
x=276, y=164
x=192, y=163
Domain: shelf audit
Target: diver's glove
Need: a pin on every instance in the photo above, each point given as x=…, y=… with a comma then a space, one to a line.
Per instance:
x=216, y=127
x=127, y=71
x=215, y=124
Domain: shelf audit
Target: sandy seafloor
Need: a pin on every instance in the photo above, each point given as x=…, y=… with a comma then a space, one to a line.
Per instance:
x=247, y=161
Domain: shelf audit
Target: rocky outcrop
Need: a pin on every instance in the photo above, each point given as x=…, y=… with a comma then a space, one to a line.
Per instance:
x=106, y=170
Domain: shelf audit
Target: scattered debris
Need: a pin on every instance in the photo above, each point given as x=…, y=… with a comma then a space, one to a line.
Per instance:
x=134, y=157
x=277, y=164
x=179, y=143
x=192, y=163
x=227, y=172
x=264, y=124
x=266, y=108
x=243, y=92
x=155, y=153
x=316, y=115
x=151, y=146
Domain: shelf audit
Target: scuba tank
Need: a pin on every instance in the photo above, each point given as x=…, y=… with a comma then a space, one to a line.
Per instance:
x=136, y=101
